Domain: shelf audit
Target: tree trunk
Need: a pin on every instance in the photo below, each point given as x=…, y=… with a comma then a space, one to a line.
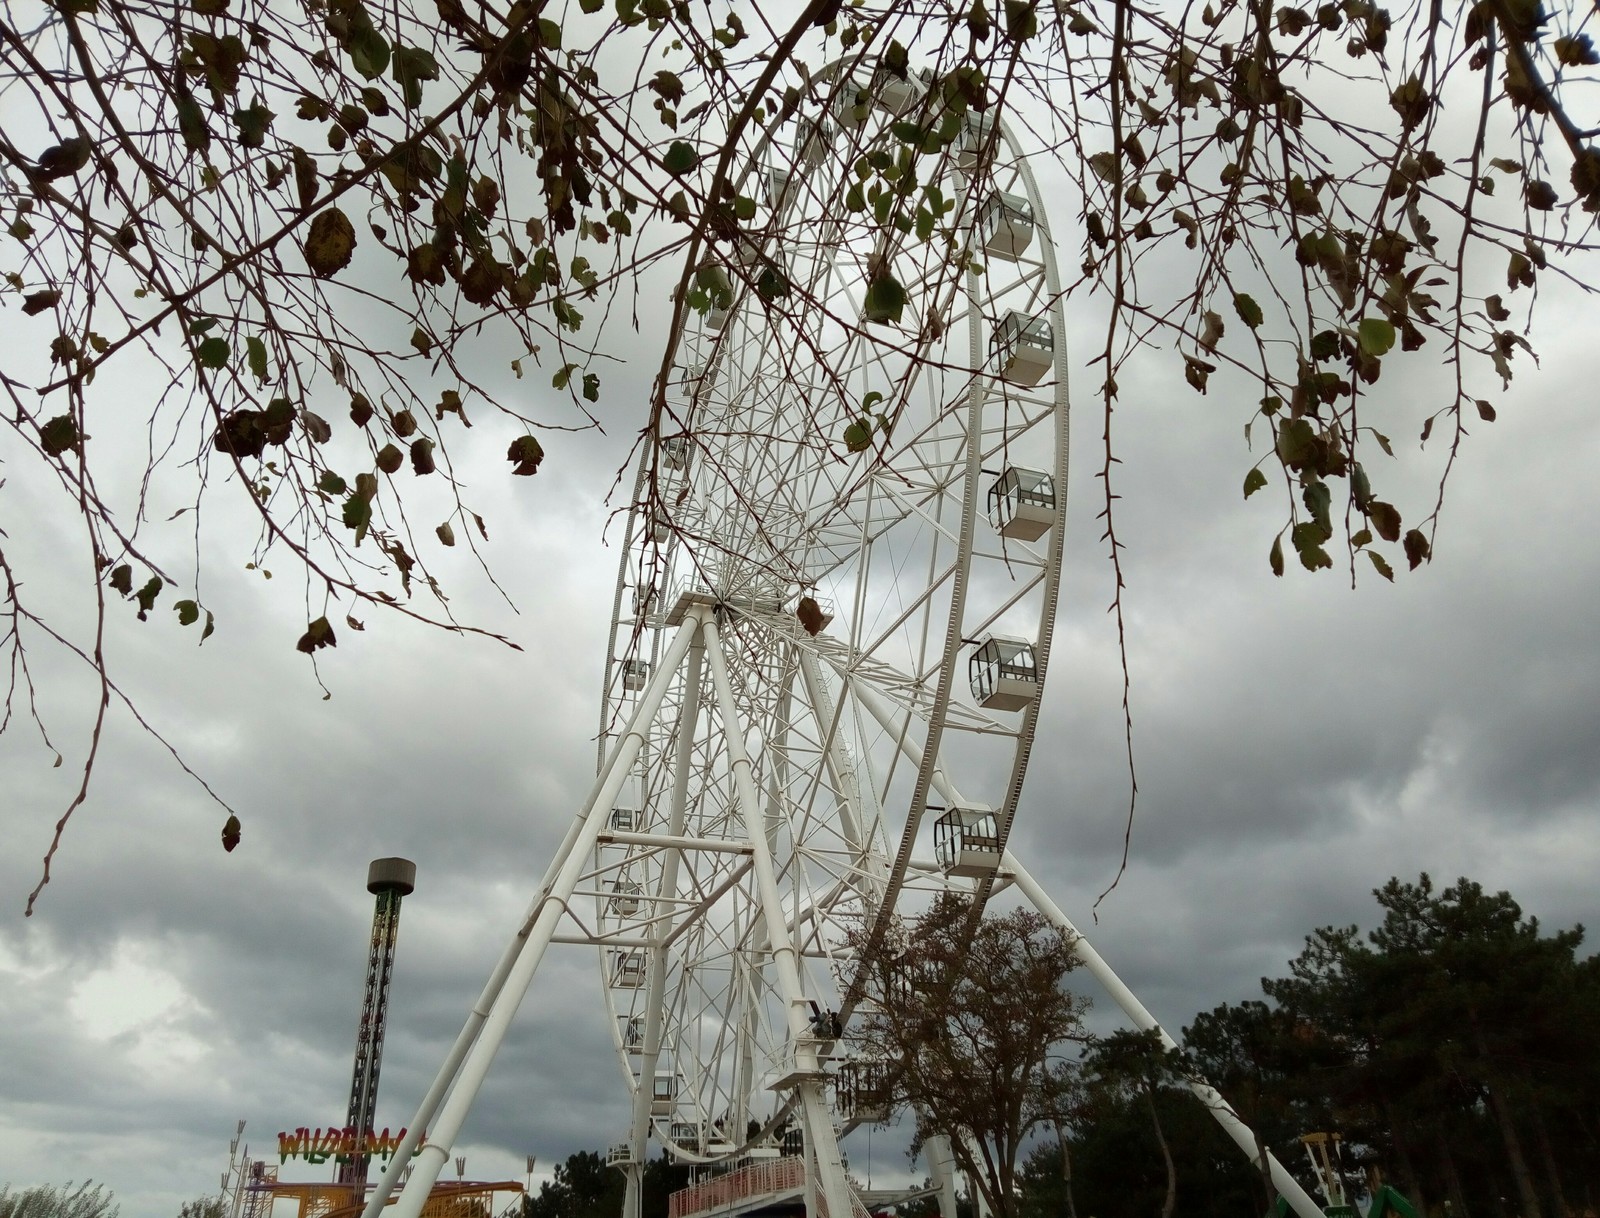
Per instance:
x=1066, y=1173
x=1408, y=1170
x=1528, y=1195
x=1265, y=1165
x=1548, y=1155
x=1170, y=1205
x=1452, y=1180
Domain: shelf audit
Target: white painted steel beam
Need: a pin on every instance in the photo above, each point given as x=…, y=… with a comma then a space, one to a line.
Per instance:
x=821, y=1145
x=526, y=953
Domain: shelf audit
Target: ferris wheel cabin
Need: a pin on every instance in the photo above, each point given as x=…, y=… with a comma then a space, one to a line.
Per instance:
x=675, y=452
x=1004, y=673
x=634, y=675
x=1005, y=225
x=664, y=1095
x=626, y=820
x=632, y=1033
x=966, y=841
x=811, y=142
x=625, y=897
x=897, y=94
x=861, y=1091
x=1024, y=348
x=1022, y=504
x=627, y=970
x=979, y=132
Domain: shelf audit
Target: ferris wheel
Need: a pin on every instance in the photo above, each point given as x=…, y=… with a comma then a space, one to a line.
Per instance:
x=830, y=632
x=852, y=512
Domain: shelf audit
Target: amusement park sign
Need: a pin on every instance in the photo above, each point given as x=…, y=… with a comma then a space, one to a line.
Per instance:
x=339, y=1143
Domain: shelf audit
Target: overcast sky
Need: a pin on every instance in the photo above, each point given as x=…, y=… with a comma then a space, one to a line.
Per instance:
x=1297, y=743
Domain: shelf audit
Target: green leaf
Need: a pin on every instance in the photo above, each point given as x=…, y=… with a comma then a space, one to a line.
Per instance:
x=1417, y=548
x=1375, y=336
x=357, y=515
x=1249, y=311
x=256, y=356
x=1308, y=537
x=1276, y=556
x=681, y=158
x=591, y=387
x=886, y=300
x=214, y=353
x=1254, y=481
x=525, y=454
x=59, y=435
x=188, y=613
x=368, y=49
x=146, y=596
x=1385, y=518
x=563, y=376
x=858, y=436
x=331, y=483
x=1381, y=565
x=412, y=66
x=1295, y=441
x=253, y=124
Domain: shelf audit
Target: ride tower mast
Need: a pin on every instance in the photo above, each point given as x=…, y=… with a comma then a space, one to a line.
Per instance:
x=389, y=880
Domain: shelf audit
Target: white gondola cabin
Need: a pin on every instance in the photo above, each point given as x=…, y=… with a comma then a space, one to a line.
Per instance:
x=675, y=452
x=974, y=140
x=1024, y=348
x=687, y=1135
x=851, y=105
x=811, y=142
x=1006, y=225
x=966, y=841
x=1022, y=504
x=777, y=183
x=644, y=599
x=619, y=1155
x=897, y=94
x=635, y=674
x=861, y=1090
x=660, y=528
x=627, y=970
x=632, y=1033
x=625, y=897
x=626, y=820
x=1003, y=673
x=664, y=1095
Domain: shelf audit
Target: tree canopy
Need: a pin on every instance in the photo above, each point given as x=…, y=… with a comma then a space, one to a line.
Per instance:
x=974, y=1035
x=318, y=241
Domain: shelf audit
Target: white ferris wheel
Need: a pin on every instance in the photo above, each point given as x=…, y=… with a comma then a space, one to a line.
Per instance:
x=830, y=633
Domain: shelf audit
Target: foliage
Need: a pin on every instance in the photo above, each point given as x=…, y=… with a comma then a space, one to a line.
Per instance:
x=204, y=1207
x=314, y=241
x=1455, y=1046
x=584, y=1187
x=966, y=1032
x=87, y=1200
x=1117, y=1168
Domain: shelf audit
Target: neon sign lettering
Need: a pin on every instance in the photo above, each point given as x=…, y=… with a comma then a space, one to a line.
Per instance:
x=339, y=1143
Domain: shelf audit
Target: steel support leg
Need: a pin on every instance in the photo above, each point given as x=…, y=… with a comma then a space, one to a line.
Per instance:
x=474, y=1063
x=822, y=1145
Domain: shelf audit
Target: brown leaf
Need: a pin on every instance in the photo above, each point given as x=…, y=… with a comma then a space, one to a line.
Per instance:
x=230, y=833
x=330, y=243
x=318, y=634
x=810, y=615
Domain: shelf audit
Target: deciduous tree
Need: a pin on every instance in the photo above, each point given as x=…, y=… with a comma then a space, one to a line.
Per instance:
x=967, y=1031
